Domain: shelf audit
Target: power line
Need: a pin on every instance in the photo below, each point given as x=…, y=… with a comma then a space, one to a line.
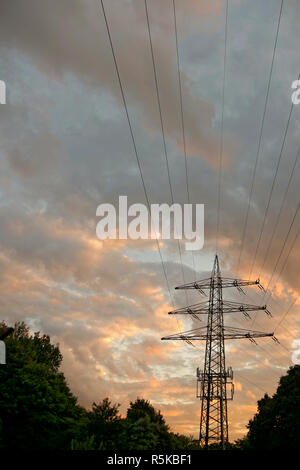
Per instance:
x=133, y=140
x=286, y=313
x=279, y=344
x=286, y=329
x=182, y=117
x=280, y=212
x=271, y=190
x=158, y=99
x=280, y=254
x=281, y=271
x=162, y=125
x=222, y=129
x=283, y=246
x=250, y=382
x=287, y=257
x=260, y=138
x=181, y=102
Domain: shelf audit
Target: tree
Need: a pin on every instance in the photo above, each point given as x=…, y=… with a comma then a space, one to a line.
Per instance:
x=105, y=424
x=37, y=408
x=105, y=411
x=276, y=425
x=39, y=411
x=143, y=434
x=144, y=420
x=142, y=408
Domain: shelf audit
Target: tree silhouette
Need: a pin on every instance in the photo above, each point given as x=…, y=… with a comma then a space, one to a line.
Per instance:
x=37, y=408
x=276, y=425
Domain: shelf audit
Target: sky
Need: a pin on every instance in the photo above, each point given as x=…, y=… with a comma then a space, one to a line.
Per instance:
x=65, y=148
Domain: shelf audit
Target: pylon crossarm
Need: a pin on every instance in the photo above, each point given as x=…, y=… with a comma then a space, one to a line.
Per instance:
x=246, y=335
x=190, y=335
x=241, y=306
x=233, y=282
x=232, y=307
x=228, y=332
x=223, y=282
x=238, y=333
x=202, y=308
x=202, y=284
x=198, y=308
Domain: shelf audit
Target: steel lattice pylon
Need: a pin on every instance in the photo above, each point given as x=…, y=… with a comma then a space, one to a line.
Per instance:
x=214, y=383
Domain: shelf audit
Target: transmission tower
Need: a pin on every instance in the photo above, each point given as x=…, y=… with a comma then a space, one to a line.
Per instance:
x=215, y=383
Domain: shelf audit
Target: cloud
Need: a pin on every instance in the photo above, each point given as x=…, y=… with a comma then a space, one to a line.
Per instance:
x=79, y=44
x=65, y=148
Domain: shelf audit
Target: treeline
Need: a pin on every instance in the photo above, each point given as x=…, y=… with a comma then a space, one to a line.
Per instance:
x=39, y=411
x=144, y=428
x=276, y=425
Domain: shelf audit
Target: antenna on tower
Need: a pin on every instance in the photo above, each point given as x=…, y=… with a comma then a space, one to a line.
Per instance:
x=215, y=383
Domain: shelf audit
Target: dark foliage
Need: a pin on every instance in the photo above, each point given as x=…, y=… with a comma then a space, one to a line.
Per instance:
x=38, y=410
x=276, y=425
